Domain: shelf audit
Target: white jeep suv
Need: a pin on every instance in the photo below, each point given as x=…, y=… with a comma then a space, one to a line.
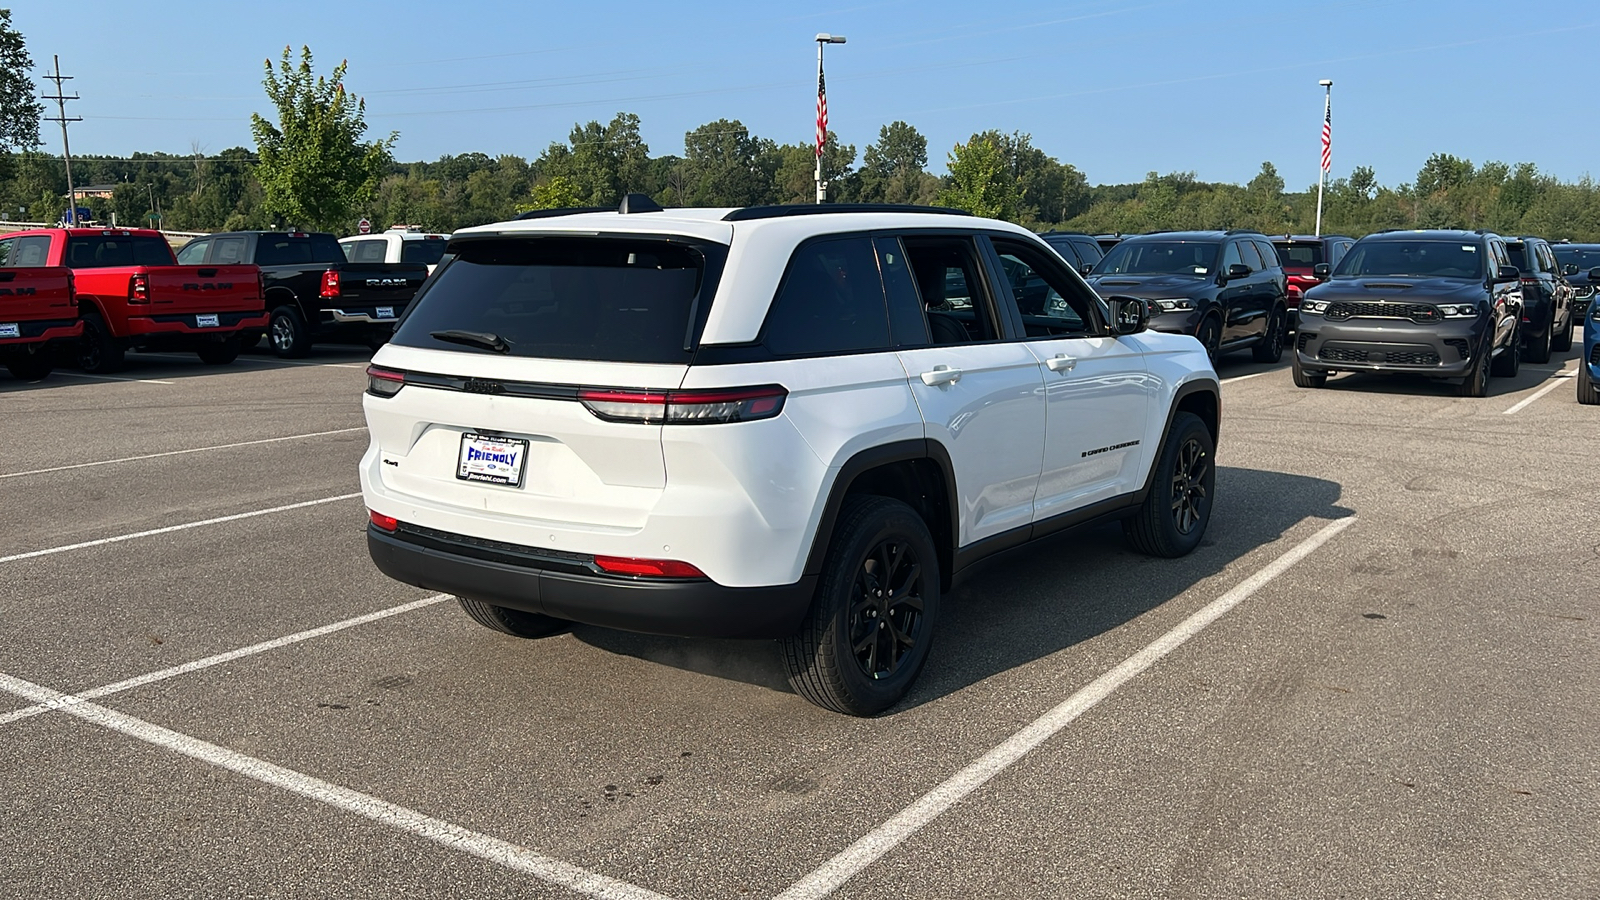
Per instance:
x=789, y=422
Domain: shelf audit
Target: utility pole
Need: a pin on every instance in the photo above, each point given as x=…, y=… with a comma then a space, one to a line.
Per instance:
x=66, y=149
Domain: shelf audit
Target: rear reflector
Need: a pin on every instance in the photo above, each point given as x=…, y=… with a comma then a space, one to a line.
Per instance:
x=383, y=382
x=649, y=568
x=704, y=407
x=385, y=523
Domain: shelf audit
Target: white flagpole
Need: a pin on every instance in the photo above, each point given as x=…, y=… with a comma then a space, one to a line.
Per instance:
x=1322, y=172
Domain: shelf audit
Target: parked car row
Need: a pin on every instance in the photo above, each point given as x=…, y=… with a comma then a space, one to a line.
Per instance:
x=93, y=294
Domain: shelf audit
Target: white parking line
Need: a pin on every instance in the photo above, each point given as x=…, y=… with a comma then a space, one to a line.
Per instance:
x=107, y=462
x=171, y=528
x=129, y=684
x=1528, y=400
x=400, y=818
x=835, y=872
x=112, y=378
x=1244, y=377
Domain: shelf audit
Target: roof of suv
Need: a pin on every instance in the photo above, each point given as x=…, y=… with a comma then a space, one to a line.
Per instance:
x=1209, y=235
x=1412, y=234
x=1313, y=238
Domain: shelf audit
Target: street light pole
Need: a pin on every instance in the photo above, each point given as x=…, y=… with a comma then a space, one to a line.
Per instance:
x=1327, y=145
x=822, y=109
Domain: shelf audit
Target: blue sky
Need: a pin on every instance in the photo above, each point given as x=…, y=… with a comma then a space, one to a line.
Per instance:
x=1115, y=87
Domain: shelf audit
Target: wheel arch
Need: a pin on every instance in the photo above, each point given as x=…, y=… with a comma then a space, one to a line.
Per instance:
x=918, y=473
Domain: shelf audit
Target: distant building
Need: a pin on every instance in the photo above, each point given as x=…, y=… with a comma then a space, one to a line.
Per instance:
x=94, y=192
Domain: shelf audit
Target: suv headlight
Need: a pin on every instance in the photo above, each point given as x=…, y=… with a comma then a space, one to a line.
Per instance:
x=1176, y=304
x=1314, y=306
x=1459, y=311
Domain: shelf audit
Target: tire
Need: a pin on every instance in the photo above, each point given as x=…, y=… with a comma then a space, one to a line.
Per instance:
x=1588, y=394
x=1539, y=350
x=1476, y=384
x=1209, y=333
x=514, y=622
x=98, y=352
x=1305, y=379
x=220, y=353
x=32, y=366
x=860, y=649
x=1270, y=348
x=1173, y=518
x=1563, y=343
x=287, y=333
x=1507, y=364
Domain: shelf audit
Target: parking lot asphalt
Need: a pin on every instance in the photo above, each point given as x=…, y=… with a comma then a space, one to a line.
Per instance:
x=1375, y=678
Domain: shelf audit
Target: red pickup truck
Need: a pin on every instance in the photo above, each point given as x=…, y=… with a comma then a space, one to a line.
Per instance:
x=38, y=313
x=133, y=294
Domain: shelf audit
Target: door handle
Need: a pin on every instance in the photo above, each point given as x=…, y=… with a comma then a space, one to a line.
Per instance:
x=941, y=375
x=1061, y=363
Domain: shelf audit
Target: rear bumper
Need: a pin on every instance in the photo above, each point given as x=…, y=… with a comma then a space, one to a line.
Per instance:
x=188, y=323
x=553, y=584
x=1446, y=349
x=41, y=331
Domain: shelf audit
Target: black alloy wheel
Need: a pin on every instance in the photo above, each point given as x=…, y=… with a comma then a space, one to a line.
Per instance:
x=871, y=622
x=1210, y=336
x=1172, y=520
x=1507, y=364
x=1476, y=383
x=1270, y=348
x=98, y=352
x=1190, y=493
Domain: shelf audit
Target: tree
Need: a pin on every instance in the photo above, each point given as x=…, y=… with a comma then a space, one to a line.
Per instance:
x=315, y=169
x=725, y=165
x=555, y=192
x=19, y=104
x=892, y=168
x=980, y=179
x=796, y=175
x=602, y=162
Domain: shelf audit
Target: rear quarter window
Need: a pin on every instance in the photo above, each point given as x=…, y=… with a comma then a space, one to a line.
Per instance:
x=620, y=299
x=830, y=301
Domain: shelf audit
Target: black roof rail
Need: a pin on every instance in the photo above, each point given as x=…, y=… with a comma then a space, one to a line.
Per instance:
x=1243, y=231
x=564, y=211
x=813, y=209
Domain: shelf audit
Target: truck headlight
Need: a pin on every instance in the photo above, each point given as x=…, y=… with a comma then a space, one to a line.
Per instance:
x=1314, y=306
x=1177, y=304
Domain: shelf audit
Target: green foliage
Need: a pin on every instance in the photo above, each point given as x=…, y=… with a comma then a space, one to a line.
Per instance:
x=19, y=103
x=725, y=165
x=314, y=168
x=981, y=180
x=892, y=168
x=555, y=192
x=600, y=163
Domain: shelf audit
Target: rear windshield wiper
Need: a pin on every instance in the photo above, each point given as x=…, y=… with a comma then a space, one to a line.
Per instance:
x=486, y=339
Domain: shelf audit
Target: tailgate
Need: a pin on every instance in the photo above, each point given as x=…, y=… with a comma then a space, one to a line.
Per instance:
x=33, y=294
x=370, y=284
x=196, y=289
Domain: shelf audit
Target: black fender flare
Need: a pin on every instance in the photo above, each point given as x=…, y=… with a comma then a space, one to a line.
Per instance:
x=873, y=458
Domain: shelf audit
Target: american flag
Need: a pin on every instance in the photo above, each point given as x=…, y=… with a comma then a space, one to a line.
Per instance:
x=822, y=112
x=1327, y=137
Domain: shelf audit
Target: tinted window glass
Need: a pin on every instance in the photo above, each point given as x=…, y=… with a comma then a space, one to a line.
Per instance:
x=1068, y=251
x=368, y=251
x=1251, y=256
x=1230, y=256
x=1585, y=258
x=427, y=251
x=27, y=252
x=1448, y=259
x=1159, y=258
x=947, y=274
x=1051, y=305
x=622, y=300
x=1269, y=256
x=1519, y=257
x=288, y=250
x=907, y=325
x=229, y=251
x=193, y=253
x=1088, y=251
x=103, y=251
x=1340, y=249
x=831, y=301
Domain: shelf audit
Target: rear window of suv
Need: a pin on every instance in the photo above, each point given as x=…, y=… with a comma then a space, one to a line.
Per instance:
x=611, y=299
x=427, y=251
x=1299, y=254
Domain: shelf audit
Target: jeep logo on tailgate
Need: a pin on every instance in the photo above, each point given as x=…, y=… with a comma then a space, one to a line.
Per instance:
x=385, y=282
x=208, y=286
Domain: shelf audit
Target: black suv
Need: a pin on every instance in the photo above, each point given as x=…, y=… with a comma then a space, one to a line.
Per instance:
x=1546, y=299
x=1226, y=288
x=1431, y=302
x=1576, y=260
x=1081, y=251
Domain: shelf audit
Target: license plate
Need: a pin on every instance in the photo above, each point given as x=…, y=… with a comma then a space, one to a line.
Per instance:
x=385, y=312
x=494, y=460
x=210, y=321
x=10, y=329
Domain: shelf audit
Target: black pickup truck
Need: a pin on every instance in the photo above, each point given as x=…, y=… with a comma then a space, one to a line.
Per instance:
x=312, y=292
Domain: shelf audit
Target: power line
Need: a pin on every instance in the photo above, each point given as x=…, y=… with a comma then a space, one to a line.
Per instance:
x=66, y=149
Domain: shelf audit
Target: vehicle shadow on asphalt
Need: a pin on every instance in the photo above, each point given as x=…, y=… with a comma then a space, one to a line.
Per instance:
x=1037, y=600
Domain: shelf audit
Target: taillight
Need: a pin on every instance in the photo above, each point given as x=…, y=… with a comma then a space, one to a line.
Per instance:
x=648, y=568
x=1530, y=282
x=704, y=407
x=330, y=283
x=386, y=523
x=383, y=382
x=139, y=288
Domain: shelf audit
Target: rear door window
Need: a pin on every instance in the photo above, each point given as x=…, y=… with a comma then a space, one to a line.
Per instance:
x=193, y=253
x=954, y=294
x=102, y=251
x=297, y=249
x=830, y=301
x=368, y=251
x=1068, y=252
x=26, y=252
x=229, y=251
x=1251, y=256
x=627, y=299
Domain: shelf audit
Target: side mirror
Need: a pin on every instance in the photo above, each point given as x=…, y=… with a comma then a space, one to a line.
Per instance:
x=1594, y=275
x=1321, y=271
x=1086, y=268
x=1569, y=269
x=1129, y=315
x=1237, y=270
x=1507, y=273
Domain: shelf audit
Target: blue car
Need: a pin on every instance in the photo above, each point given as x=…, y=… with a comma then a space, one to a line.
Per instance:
x=1589, y=364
